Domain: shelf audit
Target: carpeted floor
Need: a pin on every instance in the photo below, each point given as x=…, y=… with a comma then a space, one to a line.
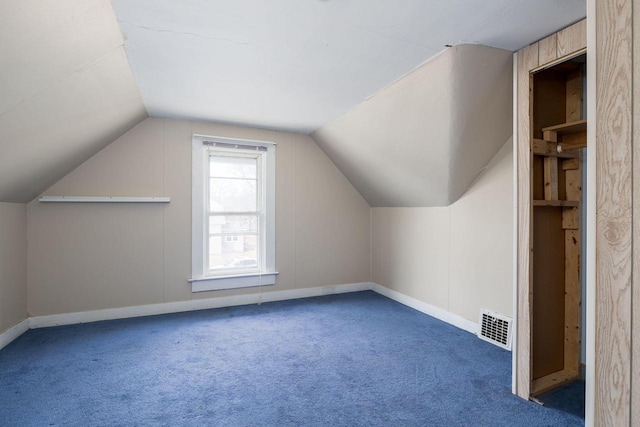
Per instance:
x=569, y=398
x=345, y=360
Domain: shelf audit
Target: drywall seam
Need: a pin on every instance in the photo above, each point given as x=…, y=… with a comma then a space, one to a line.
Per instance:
x=78, y=70
x=370, y=244
x=164, y=211
x=450, y=258
x=295, y=212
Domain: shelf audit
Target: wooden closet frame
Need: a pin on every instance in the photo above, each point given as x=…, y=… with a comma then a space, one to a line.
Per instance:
x=554, y=49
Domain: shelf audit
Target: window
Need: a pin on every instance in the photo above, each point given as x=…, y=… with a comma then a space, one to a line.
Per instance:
x=233, y=241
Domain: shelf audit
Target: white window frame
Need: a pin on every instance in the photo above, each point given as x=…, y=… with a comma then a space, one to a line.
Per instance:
x=264, y=274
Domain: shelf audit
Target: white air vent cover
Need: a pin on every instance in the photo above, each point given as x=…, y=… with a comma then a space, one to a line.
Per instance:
x=495, y=328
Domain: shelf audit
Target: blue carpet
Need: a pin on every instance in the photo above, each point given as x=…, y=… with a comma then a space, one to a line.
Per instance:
x=346, y=360
x=569, y=398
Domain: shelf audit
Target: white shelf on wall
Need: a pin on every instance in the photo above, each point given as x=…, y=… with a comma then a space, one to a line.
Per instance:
x=102, y=199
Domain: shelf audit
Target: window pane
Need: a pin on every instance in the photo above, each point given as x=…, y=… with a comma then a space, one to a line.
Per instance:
x=232, y=167
x=233, y=224
x=235, y=252
x=233, y=195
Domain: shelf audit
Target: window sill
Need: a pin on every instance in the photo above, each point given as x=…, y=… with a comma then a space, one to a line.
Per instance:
x=242, y=280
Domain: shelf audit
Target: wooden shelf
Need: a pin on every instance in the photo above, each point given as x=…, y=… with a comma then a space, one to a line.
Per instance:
x=541, y=147
x=558, y=203
x=567, y=128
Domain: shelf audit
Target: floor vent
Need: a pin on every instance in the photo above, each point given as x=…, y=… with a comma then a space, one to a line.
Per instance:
x=495, y=328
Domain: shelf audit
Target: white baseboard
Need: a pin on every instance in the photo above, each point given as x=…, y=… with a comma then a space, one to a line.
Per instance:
x=429, y=309
x=230, y=301
x=12, y=333
x=190, y=305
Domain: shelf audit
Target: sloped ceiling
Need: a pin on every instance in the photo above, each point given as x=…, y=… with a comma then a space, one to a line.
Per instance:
x=67, y=85
x=298, y=64
x=66, y=90
x=423, y=140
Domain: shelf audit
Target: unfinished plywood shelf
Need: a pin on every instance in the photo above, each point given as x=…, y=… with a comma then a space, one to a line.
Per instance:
x=567, y=128
x=556, y=203
x=568, y=136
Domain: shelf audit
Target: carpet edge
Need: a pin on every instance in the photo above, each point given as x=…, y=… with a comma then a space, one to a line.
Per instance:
x=11, y=334
x=45, y=321
x=433, y=311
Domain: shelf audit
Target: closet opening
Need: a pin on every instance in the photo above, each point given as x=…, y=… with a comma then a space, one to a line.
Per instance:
x=558, y=184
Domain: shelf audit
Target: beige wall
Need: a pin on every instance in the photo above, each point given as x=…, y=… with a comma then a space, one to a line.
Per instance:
x=422, y=140
x=458, y=258
x=13, y=264
x=97, y=256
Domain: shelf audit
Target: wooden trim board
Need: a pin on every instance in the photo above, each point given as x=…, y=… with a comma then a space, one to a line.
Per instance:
x=590, y=223
x=527, y=60
x=572, y=39
x=551, y=381
x=635, y=339
x=613, y=228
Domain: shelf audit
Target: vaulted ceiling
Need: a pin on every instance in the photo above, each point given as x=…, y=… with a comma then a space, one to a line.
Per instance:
x=298, y=64
x=76, y=74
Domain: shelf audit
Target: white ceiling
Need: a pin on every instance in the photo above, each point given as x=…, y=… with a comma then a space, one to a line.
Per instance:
x=297, y=64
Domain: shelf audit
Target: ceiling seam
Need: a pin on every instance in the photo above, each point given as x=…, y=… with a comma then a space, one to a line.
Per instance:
x=186, y=33
x=62, y=79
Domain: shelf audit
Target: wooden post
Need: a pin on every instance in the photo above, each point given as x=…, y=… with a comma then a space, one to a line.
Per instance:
x=551, y=178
